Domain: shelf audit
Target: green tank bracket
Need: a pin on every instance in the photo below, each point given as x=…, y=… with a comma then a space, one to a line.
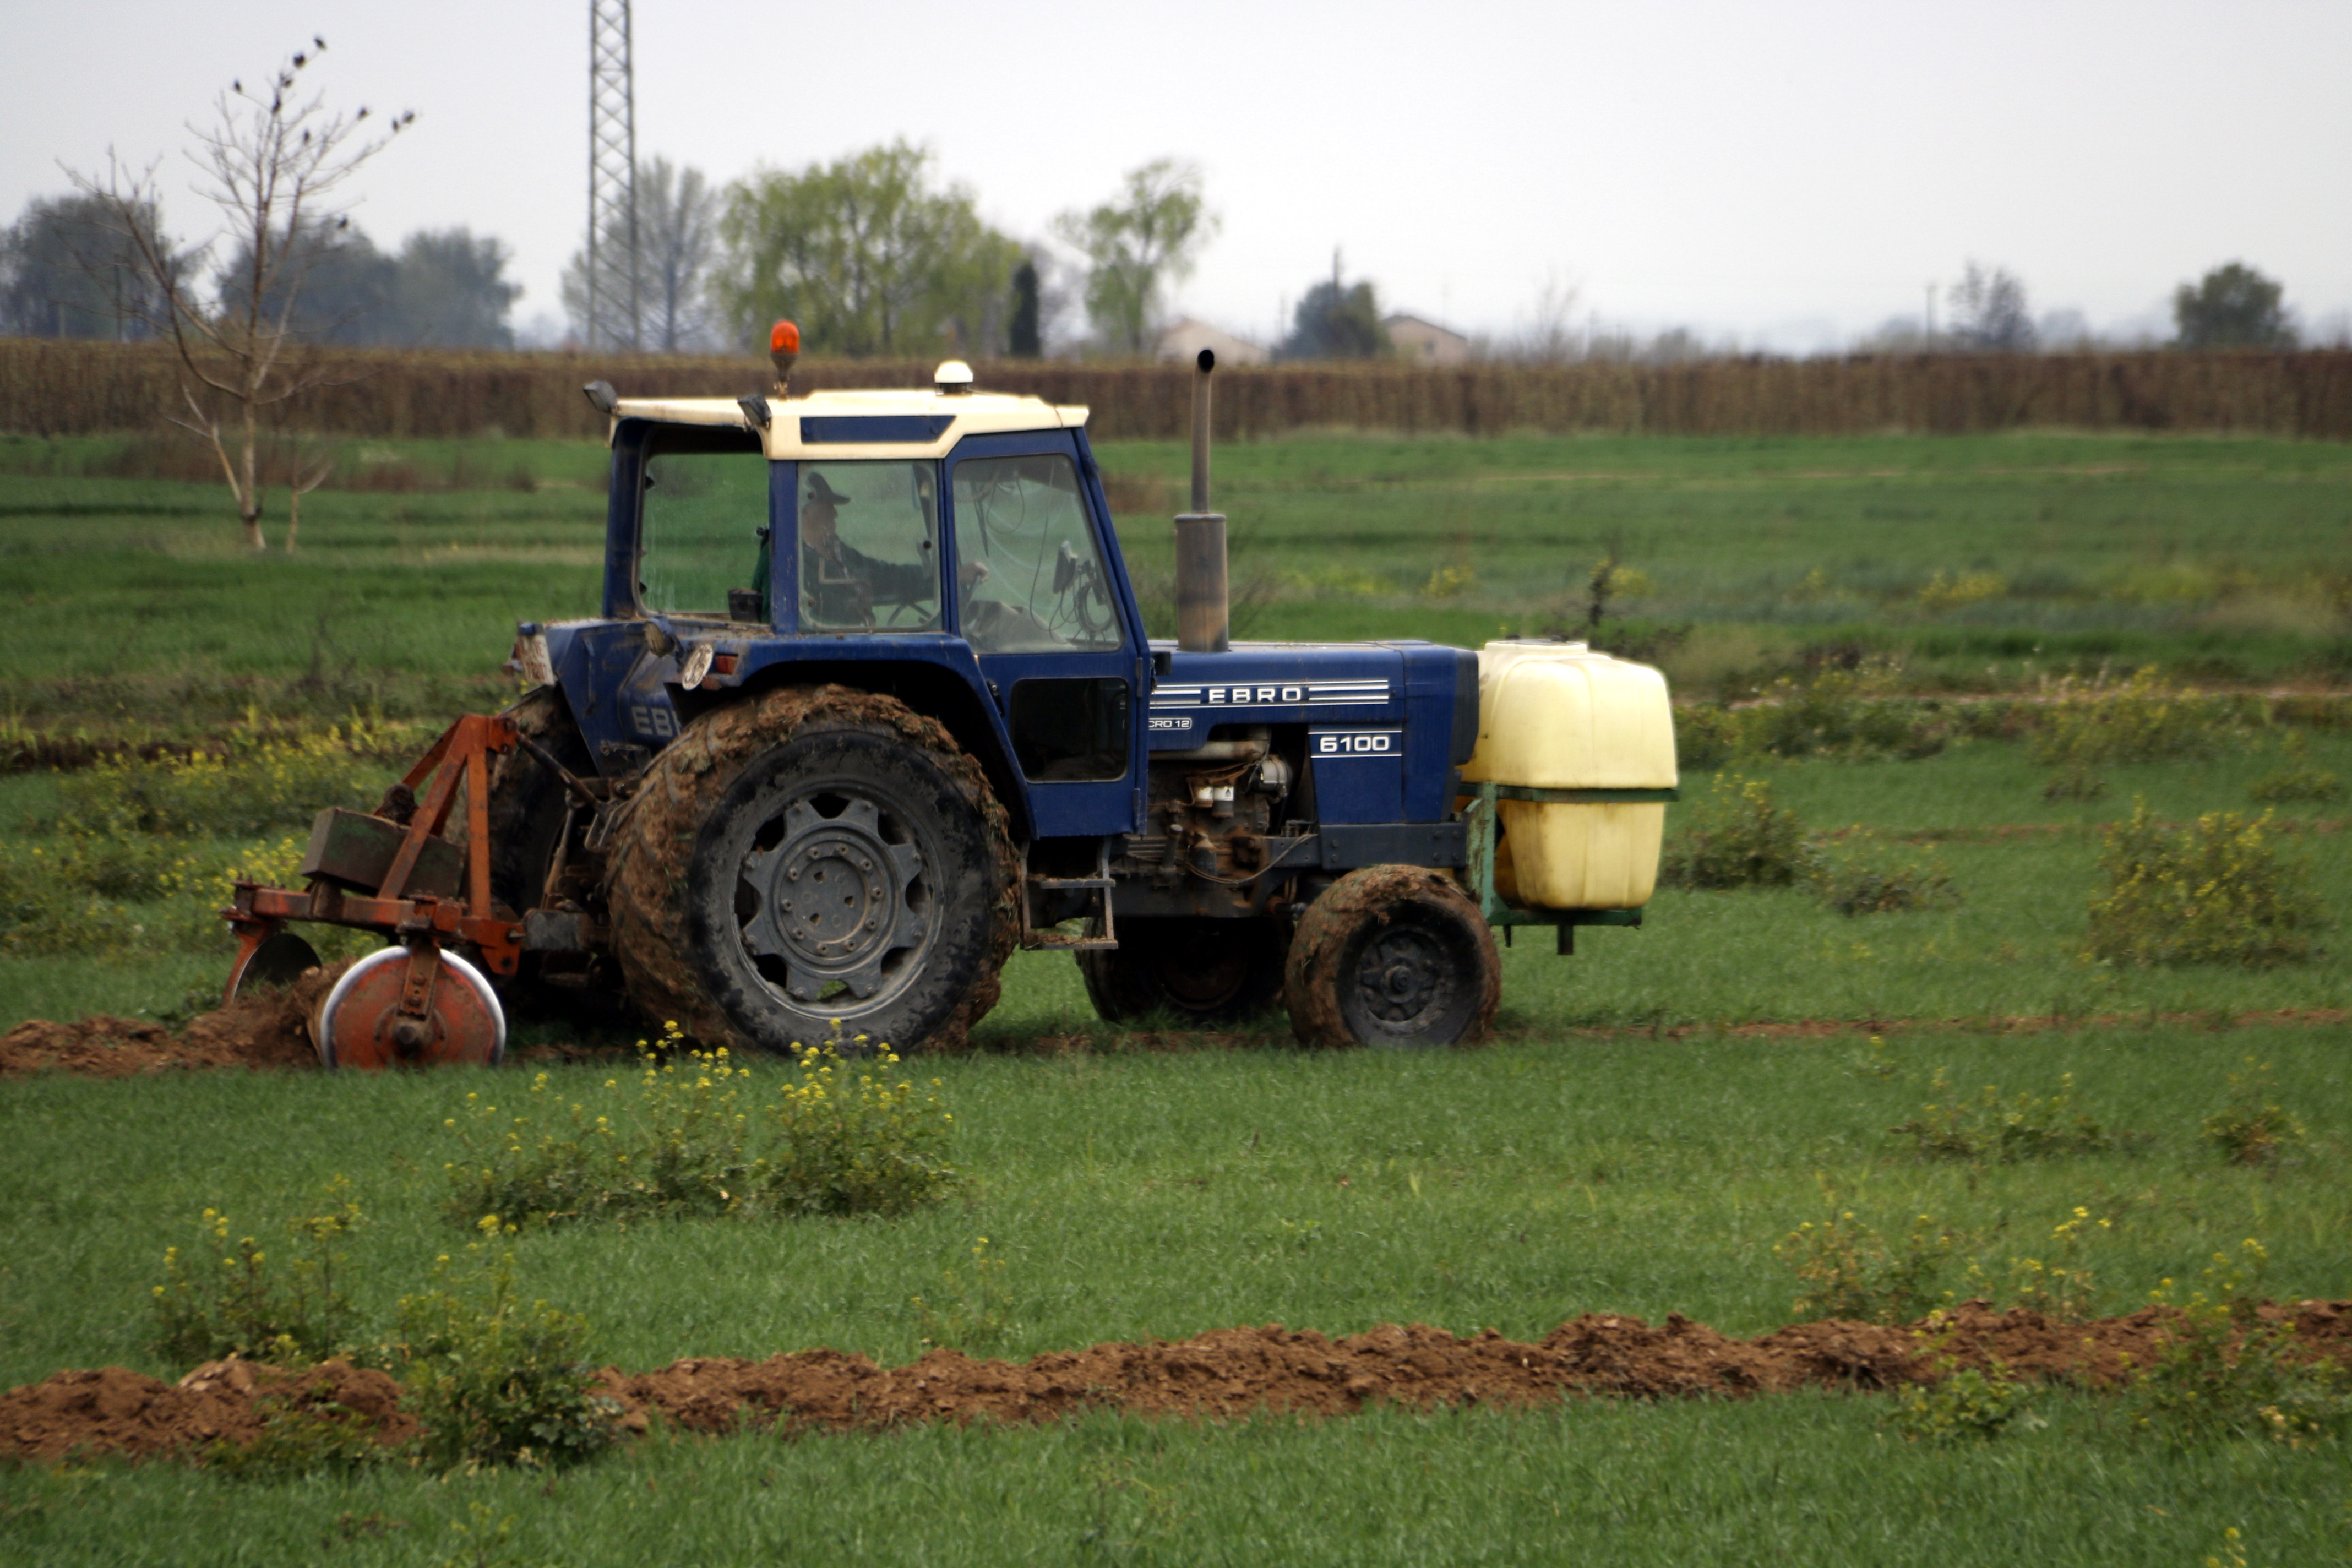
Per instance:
x=1481, y=823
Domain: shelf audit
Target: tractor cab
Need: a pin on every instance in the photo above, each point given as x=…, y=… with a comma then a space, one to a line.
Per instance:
x=955, y=540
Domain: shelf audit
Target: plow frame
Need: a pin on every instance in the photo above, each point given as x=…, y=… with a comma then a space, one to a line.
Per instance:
x=420, y=921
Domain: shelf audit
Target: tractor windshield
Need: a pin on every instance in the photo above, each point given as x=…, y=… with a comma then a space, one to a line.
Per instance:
x=1031, y=575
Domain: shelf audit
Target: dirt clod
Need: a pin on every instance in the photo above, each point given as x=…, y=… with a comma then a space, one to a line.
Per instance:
x=117, y=1411
x=268, y=1029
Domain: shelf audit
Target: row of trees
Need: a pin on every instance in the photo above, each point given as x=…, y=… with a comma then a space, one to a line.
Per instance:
x=2231, y=307
x=873, y=255
x=76, y=266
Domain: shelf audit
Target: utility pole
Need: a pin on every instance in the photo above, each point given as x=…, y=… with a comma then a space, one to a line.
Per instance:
x=613, y=318
x=1929, y=341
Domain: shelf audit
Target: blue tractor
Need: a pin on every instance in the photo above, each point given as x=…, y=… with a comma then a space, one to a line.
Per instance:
x=868, y=704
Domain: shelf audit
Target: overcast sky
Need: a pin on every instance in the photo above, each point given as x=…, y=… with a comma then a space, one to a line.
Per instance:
x=1784, y=173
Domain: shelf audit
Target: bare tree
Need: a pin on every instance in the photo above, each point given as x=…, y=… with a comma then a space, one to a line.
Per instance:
x=1551, y=336
x=1988, y=310
x=272, y=163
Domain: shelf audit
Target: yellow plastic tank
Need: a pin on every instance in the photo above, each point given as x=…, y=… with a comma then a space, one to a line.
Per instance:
x=1561, y=716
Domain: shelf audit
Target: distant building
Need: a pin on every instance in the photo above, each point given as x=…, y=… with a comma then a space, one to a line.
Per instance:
x=1425, y=342
x=1183, y=340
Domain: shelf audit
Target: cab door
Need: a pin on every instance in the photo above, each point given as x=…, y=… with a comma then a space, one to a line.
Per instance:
x=1037, y=598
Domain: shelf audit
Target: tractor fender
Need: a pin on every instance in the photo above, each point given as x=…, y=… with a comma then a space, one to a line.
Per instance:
x=944, y=688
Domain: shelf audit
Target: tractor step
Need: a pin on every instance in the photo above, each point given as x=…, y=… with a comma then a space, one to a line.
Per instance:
x=1099, y=884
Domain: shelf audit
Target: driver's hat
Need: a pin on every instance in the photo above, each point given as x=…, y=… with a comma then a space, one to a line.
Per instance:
x=821, y=492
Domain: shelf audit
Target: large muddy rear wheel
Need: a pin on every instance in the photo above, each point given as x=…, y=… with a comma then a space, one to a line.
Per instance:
x=810, y=864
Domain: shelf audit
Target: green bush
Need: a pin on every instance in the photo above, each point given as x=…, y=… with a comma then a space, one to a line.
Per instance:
x=494, y=1381
x=694, y=1134
x=2226, y=1371
x=1962, y=1404
x=104, y=895
x=1843, y=713
x=2254, y=1128
x=1707, y=734
x=2211, y=891
x=2298, y=780
x=2142, y=719
x=2026, y=1127
x=258, y=782
x=2075, y=781
x=1847, y=1269
x=43, y=911
x=225, y=1298
x=1739, y=837
x=298, y=1437
x=1861, y=884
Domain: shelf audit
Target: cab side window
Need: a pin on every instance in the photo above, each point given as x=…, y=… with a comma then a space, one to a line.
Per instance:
x=701, y=527
x=1029, y=574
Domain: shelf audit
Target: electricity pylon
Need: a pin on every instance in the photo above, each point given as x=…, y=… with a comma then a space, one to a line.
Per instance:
x=613, y=318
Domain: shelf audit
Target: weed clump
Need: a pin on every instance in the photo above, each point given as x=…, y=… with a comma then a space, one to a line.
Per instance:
x=2027, y=1127
x=1864, y=885
x=1847, y=1269
x=2252, y=1129
x=2061, y=1284
x=975, y=1307
x=495, y=1381
x=300, y=1436
x=2298, y=780
x=1850, y=714
x=225, y=1299
x=1705, y=736
x=2228, y=1372
x=2212, y=891
x=2087, y=723
x=1963, y=1404
x=1740, y=837
x=690, y=1132
x=259, y=780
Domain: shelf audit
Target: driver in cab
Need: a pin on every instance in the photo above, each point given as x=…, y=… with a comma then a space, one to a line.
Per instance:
x=840, y=583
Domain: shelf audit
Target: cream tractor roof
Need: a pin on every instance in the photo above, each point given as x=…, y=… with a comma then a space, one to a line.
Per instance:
x=969, y=413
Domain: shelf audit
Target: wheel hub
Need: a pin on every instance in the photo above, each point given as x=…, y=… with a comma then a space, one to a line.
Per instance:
x=1402, y=976
x=833, y=900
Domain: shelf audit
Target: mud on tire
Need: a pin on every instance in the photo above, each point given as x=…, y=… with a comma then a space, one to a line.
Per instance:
x=1392, y=955
x=814, y=855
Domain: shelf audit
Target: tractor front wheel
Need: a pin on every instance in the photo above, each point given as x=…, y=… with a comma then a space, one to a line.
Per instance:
x=814, y=865
x=1392, y=955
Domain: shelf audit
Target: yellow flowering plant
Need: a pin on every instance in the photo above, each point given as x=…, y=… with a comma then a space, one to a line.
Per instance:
x=2212, y=891
x=827, y=1130
x=233, y=1297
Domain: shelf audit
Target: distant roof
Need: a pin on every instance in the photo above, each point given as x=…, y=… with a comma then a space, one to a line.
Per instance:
x=909, y=423
x=1400, y=319
x=1181, y=338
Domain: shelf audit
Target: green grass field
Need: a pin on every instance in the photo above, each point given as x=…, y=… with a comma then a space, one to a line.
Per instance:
x=2226, y=560
x=1627, y=1144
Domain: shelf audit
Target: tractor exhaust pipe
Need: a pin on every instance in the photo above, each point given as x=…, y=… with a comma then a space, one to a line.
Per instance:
x=1202, y=608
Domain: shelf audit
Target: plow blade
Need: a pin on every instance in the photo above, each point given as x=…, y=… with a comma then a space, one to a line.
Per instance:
x=410, y=1008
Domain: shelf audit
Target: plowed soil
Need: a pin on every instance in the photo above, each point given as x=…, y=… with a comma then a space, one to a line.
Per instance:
x=113, y=1411
x=271, y=1029
x=1228, y=1372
